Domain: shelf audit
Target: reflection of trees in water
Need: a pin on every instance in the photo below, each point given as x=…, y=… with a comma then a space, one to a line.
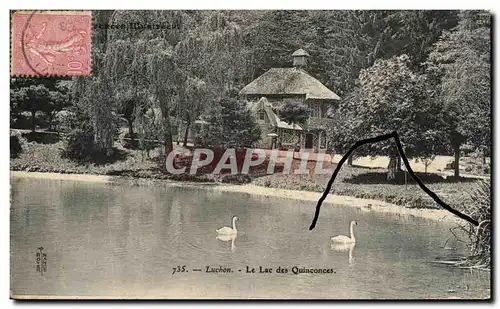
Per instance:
x=81, y=201
x=215, y=206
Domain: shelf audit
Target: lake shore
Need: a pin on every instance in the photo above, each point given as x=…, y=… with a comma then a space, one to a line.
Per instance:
x=361, y=203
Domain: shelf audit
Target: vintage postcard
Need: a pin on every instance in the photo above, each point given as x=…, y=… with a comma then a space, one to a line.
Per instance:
x=250, y=154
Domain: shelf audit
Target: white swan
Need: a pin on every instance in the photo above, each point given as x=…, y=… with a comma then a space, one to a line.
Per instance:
x=227, y=230
x=345, y=239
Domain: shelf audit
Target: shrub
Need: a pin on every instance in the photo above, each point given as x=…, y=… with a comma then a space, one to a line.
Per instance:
x=17, y=144
x=79, y=144
x=478, y=206
x=79, y=138
x=229, y=125
x=130, y=141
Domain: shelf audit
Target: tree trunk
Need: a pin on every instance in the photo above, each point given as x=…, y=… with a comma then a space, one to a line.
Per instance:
x=456, y=165
x=33, y=121
x=398, y=163
x=186, y=133
x=167, y=133
x=392, y=168
x=179, y=130
x=130, y=128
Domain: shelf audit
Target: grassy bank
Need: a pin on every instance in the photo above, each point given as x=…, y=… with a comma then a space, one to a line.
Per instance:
x=370, y=184
x=46, y=158
x=357, y=182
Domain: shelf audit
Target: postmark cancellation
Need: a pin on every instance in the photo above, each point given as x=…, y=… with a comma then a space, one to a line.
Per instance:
x=51, y=43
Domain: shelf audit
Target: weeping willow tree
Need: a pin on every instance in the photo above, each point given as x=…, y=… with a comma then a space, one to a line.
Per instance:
x=142, y=68
x=194, y=99
x=212, y=52
x=211, y=63
x=144, y=71
x=176, y=70
x=93, y=106
x=94, y=117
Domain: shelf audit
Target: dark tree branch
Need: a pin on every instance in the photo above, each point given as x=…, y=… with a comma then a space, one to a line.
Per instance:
x=408, y=167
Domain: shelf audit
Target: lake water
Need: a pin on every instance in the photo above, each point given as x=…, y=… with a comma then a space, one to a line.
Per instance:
x=124, y=241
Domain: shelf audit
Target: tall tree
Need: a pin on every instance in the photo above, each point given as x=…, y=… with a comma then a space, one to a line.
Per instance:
x=32, y=98
x=230, y=124
x=94, y=97
x=460, y=66
x=275, y=36
x=48, y=95
x=338, y=50
x=210, y=61
x=389, y=97
x=143, y=60
x=391, y=33
x=195, y=99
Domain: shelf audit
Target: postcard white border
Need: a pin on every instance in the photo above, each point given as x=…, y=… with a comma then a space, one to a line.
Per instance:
x=198, y=4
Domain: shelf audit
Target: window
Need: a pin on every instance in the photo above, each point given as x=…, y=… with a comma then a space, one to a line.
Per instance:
x=322, y=140
x=262, y=115
x=315, y=110
x=324, y=110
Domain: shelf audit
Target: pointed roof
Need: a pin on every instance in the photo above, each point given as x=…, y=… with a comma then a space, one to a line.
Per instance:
x=284, y=81
x=300, y=52
x=263, y=104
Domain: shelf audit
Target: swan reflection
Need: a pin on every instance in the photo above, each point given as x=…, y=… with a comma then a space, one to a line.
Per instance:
x=227, y=238
x=343, y=247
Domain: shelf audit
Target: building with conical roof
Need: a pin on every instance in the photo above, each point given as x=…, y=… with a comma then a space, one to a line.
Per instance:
x=268, y=92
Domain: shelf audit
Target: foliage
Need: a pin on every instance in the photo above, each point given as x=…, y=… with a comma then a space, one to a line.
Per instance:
x=79, y=139
x=389, y=97
x=341, y=43
x=462, y=60
x=177, y=71
x=90, y=123
x=459, y=67
x=211, y=52
x=17, y=144
x=79, y=145
x=229, y=124
x=212, y=132
x=47, y=95
x=159, y=78
x=32, y=98
x=412, y=32
x=195, y=97
x=294, y=112
x=93, y=102
x=478, y=206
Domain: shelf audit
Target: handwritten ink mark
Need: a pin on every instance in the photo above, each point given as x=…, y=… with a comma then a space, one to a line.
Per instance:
x=408, y=168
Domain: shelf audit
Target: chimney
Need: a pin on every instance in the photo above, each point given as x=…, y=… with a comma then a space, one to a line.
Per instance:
x=300, y=58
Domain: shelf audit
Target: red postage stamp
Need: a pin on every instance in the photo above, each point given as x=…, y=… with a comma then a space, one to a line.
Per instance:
x=51, y=43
